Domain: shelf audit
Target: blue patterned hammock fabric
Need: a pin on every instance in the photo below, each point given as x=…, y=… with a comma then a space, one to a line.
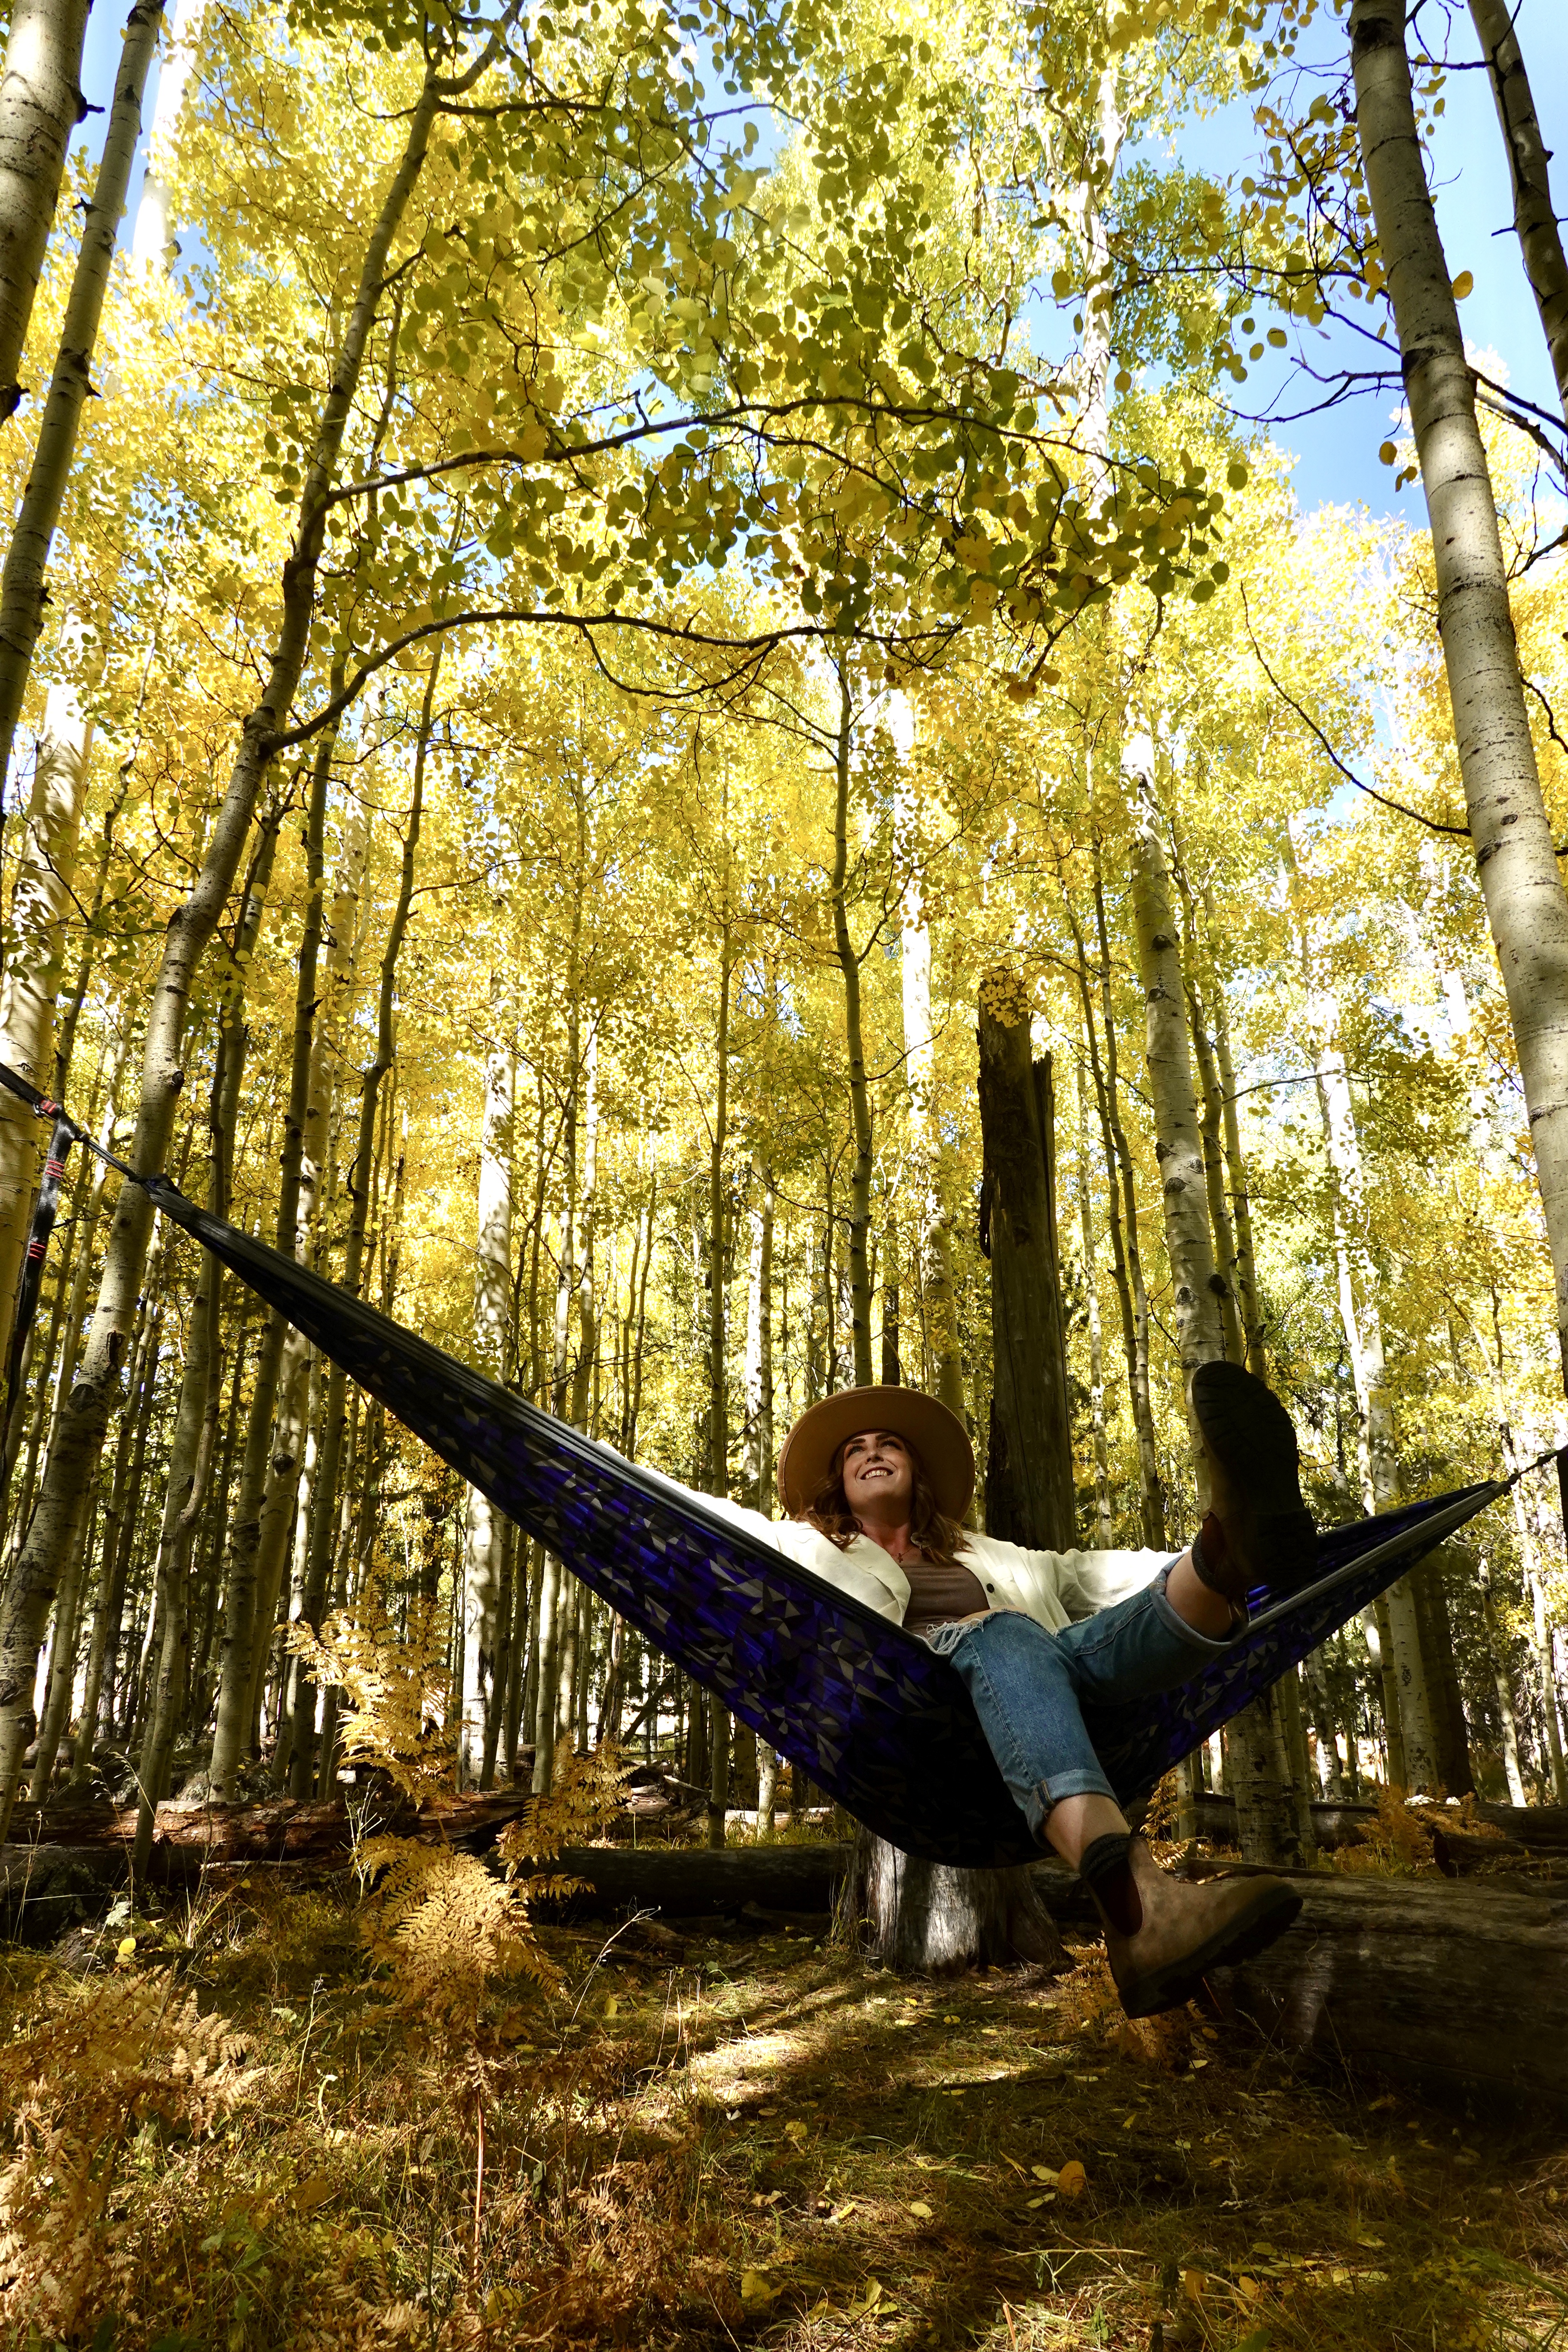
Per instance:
x=876, y=1718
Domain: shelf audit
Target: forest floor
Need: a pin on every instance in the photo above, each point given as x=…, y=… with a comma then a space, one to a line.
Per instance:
x=702, y=2141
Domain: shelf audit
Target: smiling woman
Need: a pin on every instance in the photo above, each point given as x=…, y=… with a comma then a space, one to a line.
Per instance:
x=878, y=1482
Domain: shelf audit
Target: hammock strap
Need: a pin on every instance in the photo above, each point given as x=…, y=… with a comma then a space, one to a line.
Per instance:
x=45, y=1211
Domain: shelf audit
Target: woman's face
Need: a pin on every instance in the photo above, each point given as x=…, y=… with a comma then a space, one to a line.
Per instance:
x=878, y=1474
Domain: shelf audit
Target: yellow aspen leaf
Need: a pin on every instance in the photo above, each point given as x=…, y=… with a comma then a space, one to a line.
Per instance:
x=1072, y=2180
x=1465, y=283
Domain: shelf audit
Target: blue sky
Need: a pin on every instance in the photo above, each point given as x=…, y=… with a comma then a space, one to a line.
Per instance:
x=1337, y=453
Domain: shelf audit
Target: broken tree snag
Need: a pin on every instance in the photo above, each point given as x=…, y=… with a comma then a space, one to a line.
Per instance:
x=923, y=1920
x=1455, y=1988
x=1029, y=1477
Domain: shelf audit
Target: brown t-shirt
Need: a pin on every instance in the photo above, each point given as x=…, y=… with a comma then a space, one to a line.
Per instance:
x=937, y=1595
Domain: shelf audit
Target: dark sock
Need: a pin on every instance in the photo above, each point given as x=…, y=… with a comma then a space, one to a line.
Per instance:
x=1108, y=1874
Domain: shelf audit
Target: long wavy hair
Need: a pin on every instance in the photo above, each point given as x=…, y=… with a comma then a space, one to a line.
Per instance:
x=938, y=1537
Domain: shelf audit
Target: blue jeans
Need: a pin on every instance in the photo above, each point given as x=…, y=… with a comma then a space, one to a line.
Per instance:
x=1027, y=1686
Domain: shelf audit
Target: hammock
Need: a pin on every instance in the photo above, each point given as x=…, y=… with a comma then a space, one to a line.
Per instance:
x=878, y=1721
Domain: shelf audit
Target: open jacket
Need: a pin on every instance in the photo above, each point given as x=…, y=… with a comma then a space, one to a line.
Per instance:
x=1053, y=1587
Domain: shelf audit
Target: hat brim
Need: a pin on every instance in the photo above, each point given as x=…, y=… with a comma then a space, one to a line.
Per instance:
x=934, y=1434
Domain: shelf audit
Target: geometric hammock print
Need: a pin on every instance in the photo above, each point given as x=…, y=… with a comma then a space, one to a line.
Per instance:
x=873, y=1716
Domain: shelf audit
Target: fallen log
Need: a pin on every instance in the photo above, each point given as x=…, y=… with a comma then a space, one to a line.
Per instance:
x=1450, y=1988
x=701, y=1882
x=1529, y=1828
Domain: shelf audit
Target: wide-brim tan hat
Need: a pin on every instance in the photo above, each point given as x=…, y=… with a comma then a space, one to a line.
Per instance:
x=937, y=1436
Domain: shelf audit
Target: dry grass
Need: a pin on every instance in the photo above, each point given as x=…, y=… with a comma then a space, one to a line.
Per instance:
x=717, y=2143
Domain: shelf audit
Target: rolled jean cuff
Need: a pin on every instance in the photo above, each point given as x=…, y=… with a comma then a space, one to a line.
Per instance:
x=1205, y=1643
x=1078, y=1781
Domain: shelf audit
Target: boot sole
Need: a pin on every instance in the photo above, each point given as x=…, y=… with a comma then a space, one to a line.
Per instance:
x=1251, y=1435
x=1250, y=1933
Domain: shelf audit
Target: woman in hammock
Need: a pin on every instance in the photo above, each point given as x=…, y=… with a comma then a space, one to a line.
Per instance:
x=876, y=1481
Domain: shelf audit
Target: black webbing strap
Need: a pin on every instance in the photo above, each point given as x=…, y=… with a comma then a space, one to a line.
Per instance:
x=45, y=1211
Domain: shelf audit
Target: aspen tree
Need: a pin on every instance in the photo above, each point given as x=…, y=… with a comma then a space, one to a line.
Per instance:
x=272, y=1453
x=1178, y=1142
x=1534, y=214
x=849, y=962
x=1526, y=903
x=1247, y=1296
x=1361, y=1319
x=40, y=105
x=935, y=1237
x=1105, y=1522
x=1261, y=1761
x=759, y=1360
x=23, y=578
x=69, y=1473
x=492, y=1292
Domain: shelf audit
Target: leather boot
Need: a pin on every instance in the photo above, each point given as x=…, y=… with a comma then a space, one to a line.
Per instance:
x=1265, y=1534
x=1188, y=1926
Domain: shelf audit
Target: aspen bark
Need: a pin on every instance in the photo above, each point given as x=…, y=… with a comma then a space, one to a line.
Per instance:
x=1515, y=851
x=1127, y=1250
x=1496, y=1646
x=1247, y=1296
x=71, y=1464
x=1105, y=1522
x=934, y=1251
x=21, y=581
x=718, y=1344
x=1377, y=1444
x=345, y=928
x=40, y=105
x=1178, y=1143
x=1535, y=213
x=275, y=1430
x=492, y=1293
x=759, y=1366
x=1260, y=1769
x=149, y=238
x=854, y=1038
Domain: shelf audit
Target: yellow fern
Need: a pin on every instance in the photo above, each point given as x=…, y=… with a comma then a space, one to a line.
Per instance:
x=395, y=1681
x=103, y=2057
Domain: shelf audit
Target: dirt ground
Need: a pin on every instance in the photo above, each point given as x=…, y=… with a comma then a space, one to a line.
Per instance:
x=228, y=2140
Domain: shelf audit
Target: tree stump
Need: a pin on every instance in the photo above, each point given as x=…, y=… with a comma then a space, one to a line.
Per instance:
x=923, y=1918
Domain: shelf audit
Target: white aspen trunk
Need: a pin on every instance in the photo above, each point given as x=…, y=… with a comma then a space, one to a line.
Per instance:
x=70, y=1474
x=40, y=105
x=1261, y=1776
x=492, y=1298
x=1245, y=1274
x=1361, y=1318
x=1501, y=1682
x=854, y=1038
x=759, y=1366
x=40, y=902
x=1535, y=213
x=1104, y=1517
x=151, y=247
x=1178, y=1138
x=21, y=581
x=1515, y=850
x=935, y=1238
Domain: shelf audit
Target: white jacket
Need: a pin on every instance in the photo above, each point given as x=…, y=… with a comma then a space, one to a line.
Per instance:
x=1052, y=1587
